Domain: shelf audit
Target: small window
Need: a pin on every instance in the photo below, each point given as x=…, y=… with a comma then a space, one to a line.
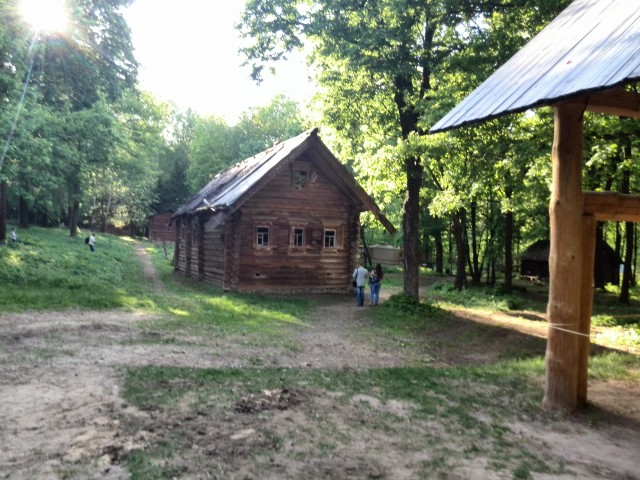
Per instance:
x=300, y=179
x=262, y=236
x=298, y=237
x=329, y=239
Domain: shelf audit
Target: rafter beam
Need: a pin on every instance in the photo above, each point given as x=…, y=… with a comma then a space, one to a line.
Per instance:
x=614, y=207
x=615, y=102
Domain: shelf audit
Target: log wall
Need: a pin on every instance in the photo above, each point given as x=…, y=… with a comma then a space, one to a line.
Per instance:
x=280, y=206
x=159, y=228
x=229, y=256
x=187, y=256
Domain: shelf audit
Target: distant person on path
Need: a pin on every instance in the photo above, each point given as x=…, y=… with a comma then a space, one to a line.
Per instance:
x=14, y=236
x=360, y=277
x=375, y=282
x=92, y=242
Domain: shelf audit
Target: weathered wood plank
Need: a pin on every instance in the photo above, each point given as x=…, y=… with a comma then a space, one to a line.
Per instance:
x=589, y=223
x=615, y=102
x=611, y=206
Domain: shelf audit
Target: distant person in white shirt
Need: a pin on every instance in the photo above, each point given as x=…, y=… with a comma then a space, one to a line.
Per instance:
x=360, y=275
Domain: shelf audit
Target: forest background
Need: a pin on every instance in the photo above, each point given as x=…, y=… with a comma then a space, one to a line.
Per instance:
x=84, y=146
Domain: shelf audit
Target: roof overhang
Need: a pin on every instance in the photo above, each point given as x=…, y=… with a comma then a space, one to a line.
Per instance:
x=587, y=54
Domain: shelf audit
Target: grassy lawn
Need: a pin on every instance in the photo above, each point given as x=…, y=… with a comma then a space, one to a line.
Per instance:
x=460, y=412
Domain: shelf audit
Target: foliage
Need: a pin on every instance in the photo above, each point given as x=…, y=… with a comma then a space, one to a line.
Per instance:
x=215, y=145
x=443, y=294
x=387, y=70
x=62, y=122
x=401, y=304
x=88, y=147
x=172, y=189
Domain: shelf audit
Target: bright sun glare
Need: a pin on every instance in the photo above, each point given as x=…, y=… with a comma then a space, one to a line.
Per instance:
x=45, y=15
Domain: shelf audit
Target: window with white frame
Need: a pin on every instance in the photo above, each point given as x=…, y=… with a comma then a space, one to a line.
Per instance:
x=329, y=238
x=262, y=236
x=297, y=239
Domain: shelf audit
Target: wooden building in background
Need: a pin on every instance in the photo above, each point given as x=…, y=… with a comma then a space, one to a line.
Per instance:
x=161, y=229
x=286, y=219
x=534, y=262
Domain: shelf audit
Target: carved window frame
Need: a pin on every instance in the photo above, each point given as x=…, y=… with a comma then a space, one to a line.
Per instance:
x=298, y=233
x=260, y=232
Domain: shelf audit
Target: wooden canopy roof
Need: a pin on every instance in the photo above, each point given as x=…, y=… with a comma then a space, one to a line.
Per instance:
x=577, y=63
x=592, y=46
x=231, y=188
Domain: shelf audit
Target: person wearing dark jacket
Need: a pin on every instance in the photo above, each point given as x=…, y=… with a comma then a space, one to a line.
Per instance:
x=375, y=282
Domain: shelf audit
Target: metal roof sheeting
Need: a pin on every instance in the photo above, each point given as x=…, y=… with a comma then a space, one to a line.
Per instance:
x=592, y=45
x=231, y=188
x=228, y=186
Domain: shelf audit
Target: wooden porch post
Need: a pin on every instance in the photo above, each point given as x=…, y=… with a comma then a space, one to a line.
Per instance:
x=565, y=258
x=586, y=303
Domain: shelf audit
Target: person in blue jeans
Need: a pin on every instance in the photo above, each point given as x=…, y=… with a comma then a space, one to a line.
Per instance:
x=375, y=282
x=360, y=277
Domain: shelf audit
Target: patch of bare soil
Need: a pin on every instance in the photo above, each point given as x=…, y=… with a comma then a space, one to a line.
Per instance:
x=62, y=415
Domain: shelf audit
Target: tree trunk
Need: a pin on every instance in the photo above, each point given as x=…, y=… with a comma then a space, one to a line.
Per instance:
x=458, y=226
x=411, y=228
x=4, y=195
x=367, y=253
x=439, y=250
x=427, y=249
x=23, y=213
x=635, y=255
x=618, y=241
x=476, y=266
x=409, y=118
x=73, y=219
x=508, y=245
x=625, y=187
x=628, y=260
x=598, y=273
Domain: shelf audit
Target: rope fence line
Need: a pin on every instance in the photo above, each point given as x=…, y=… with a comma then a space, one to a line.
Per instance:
x=560, y=327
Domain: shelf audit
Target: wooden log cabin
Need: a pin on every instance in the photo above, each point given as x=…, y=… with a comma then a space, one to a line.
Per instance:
x=161, y=229
x=286, y=219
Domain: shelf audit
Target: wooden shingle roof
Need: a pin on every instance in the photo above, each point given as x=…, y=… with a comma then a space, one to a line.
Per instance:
x=593, y=45
x=231, y=188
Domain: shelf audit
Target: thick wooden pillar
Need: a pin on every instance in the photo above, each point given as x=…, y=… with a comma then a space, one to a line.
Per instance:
x=565, y=259
x=586, y=304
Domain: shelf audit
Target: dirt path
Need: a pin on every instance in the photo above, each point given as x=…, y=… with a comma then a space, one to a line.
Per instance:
x=147, y=266
x=61, y=413
x=60, y=380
